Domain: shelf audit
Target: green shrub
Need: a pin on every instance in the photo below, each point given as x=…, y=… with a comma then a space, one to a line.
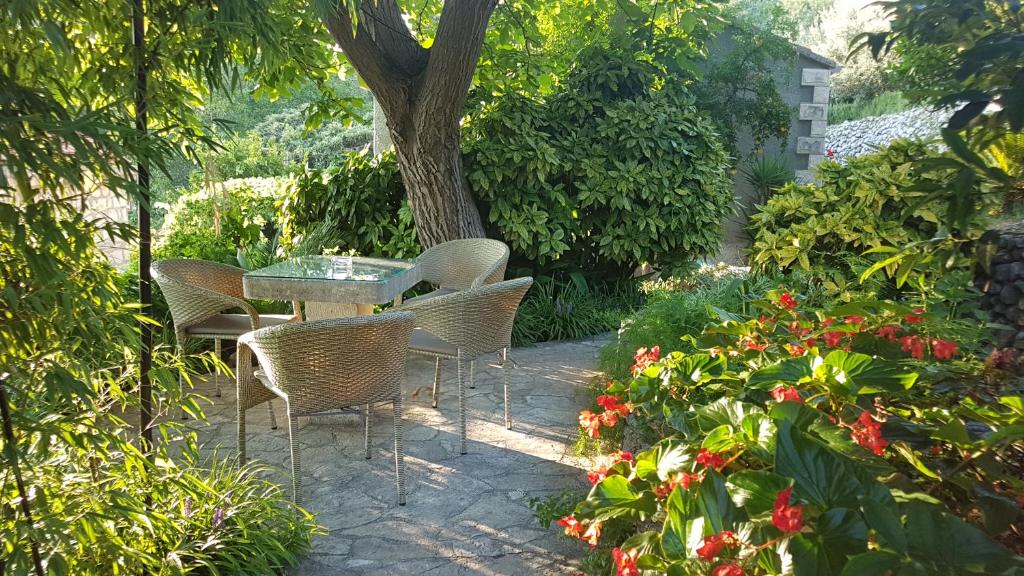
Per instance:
x=603, y=175
x=362, y=200
x=320, y=148
x=872, y=201
x=213, y=223
x=245, y=157
x=884, y=103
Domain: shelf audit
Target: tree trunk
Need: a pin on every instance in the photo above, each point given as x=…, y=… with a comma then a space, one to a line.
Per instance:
x=439, y=196
x=422, y=92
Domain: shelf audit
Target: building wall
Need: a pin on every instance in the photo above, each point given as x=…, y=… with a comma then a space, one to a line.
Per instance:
x=803, y=83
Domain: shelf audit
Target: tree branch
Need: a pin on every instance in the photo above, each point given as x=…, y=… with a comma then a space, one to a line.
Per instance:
x=364, y=54
x=453, y=58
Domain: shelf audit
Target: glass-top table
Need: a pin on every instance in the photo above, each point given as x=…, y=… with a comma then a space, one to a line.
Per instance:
x=333, y=279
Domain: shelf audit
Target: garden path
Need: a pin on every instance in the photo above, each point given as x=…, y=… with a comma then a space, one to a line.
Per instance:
x=466, y=515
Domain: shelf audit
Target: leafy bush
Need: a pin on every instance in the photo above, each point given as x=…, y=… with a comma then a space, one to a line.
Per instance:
x=362, y=200
x=215, y=222
x=603, y=175
x=245, y=157
x=884, y=103
x=875, y=201
x=320, y=148
x=799, y=442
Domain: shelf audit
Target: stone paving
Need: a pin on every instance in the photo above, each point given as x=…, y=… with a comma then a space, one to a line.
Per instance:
x=466, y=514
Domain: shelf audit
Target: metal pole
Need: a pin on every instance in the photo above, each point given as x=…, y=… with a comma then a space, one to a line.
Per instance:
x=145, y=257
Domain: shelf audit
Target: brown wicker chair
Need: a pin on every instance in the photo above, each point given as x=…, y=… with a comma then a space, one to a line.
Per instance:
x=323, y=366
x=198, y=292
x=466, y=325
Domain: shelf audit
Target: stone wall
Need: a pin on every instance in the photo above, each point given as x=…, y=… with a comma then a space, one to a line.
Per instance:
x=859, y=137
x=1003, y=286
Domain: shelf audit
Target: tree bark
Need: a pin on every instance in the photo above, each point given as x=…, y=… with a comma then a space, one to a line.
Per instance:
x=422, y=92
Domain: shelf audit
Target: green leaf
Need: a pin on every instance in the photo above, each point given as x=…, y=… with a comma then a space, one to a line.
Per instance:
x=873, y=562
x=678, y=511
x=851, y=374
x=614, y=497
x=881, y=517
x=839, y=533
x=756, y=490
x=788, y=372
x=714, y=503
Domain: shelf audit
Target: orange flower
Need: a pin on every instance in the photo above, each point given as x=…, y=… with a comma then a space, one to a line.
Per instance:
x=573, y=527
x=592, y=535
x=645, y=358
x=591, y=423
x=605, y=463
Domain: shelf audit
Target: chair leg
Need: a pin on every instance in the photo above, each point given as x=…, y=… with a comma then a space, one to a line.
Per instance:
x=472, y=366
x=399, y=455
x=462, y=405
x=366, y=436
x=273, y=418
x=437, y=380
x=216, y=369
x=293, y=429
x=241, y=429
x=504, y=373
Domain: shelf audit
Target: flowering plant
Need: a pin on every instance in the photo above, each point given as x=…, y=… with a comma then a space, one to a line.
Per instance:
x=782, y=436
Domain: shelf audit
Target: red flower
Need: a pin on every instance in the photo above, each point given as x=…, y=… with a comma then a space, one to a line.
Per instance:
x=709, y=459
x=713, y=544
x=591, y=423
x=784, y=393
x=797, y=329
x=683, y=479
x=752, y=344
x=867, y=432
x=645, y=358
x=914, y=318
x=787, y=301
x=605, y=463
x=727, y=569
x=796, y=350
x=888, y=331
x=785, y=517
x=609, y=419
x=811, y=342
x=833, y=338
x=943, y=349
x=914, y=345
x=626, y=562
x=573, y=527
x=827, y=322
x=854, y=319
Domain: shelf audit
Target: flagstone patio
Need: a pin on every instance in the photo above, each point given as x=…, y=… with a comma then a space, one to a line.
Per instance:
x=466, y=514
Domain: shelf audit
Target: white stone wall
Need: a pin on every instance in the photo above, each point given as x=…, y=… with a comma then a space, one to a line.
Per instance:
x=859, y=137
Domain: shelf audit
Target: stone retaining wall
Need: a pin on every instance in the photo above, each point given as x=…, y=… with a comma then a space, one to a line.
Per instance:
x=1003, y=286
x=859, y=137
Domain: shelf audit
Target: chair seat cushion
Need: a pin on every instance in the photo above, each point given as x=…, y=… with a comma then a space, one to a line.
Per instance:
x=429, y=295
x=235, y=324
x=423, y=341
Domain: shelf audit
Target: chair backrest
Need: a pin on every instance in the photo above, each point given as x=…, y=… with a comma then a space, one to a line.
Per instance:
x=330, y=364
x=478, y=321
x=198, y=289
x=462, y=264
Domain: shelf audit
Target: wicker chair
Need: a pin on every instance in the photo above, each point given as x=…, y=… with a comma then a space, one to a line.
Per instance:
x=462, y=264
x=459, y=265
x=198, y=292
x=327, y=365
x=466, y=325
